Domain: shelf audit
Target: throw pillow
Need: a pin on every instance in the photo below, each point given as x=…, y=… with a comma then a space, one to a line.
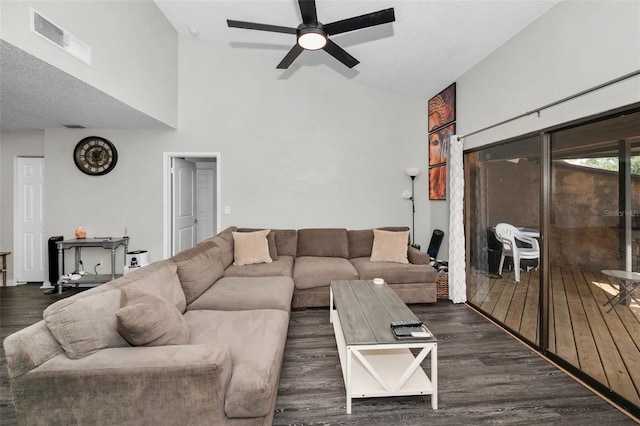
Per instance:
x=147, y=320
x=389, y=246
x=251, y=247
x=271, y=239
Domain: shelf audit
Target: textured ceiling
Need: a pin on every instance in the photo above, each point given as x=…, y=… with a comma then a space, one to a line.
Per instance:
x=430, y=45
x=36, y=95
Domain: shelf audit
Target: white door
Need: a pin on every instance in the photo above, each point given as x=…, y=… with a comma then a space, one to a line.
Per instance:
x=205, y=202
x=30, y=249
x=183, y=180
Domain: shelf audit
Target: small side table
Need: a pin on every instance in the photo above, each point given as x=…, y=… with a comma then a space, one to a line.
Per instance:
x=4, y=255
x=629, y=281
x=108, y=243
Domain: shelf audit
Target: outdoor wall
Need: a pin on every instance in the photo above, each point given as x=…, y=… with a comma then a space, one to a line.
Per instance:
x=585, y=221
x=584, y=217
x=573, y=47
x=134, y=48
x=513, y=200
x=297, y=149
x=13, y=145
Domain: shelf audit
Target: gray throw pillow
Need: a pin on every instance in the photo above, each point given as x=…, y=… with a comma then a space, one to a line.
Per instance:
x=147, y=320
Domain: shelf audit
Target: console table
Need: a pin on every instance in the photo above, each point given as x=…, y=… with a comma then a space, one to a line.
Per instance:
x=111, y=243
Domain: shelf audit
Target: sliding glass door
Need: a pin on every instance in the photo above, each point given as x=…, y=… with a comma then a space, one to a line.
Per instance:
x=553, y=245
x=504, y=191
x=594, y=232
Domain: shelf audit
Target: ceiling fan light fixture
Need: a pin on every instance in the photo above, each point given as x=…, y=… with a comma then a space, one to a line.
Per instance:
x=312, y=38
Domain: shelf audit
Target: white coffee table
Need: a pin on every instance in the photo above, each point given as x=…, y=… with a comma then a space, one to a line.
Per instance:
x=374, y=362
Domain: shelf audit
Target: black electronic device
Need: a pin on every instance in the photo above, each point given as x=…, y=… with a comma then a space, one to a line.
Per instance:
x=434, y=244
x=419, y=332
x=406, y=323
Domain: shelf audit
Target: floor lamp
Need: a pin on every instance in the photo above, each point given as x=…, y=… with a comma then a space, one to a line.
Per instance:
x=412, y=172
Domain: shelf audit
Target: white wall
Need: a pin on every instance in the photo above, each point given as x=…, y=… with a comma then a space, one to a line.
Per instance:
x=12, y=146
x=134, y=48
x=302, y=151
x=573, y=47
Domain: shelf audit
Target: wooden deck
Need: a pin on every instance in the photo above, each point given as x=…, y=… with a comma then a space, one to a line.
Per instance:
x=606, y=346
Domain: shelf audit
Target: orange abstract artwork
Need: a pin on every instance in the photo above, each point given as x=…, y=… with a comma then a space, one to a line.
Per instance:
x=438, y=144
x=438, y=183
x=442, y=108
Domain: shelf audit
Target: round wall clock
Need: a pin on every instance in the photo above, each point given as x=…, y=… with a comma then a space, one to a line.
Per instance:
x=95, y=156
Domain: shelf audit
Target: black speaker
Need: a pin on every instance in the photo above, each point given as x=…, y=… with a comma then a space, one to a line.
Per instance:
x=54, y=274
x=434, y=244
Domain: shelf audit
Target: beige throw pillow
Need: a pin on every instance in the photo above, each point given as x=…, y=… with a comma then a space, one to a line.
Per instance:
x=147, y=320
x=389, y=246
x=251, y=247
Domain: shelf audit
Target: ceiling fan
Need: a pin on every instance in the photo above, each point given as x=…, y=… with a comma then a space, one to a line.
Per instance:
x=313, y=35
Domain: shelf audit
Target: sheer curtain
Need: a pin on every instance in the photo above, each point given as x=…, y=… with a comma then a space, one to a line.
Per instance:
x=457, y=264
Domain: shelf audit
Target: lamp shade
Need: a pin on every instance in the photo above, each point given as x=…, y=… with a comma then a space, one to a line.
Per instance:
x=412, y=171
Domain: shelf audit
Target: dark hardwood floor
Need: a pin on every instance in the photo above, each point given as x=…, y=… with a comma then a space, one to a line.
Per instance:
x=585, y=331
x=485, y=376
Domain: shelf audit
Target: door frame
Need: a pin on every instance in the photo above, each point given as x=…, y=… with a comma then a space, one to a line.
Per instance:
x=166, y=192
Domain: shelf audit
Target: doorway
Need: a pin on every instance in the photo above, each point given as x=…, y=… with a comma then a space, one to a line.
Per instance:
x=29, y=240
x=191, y=199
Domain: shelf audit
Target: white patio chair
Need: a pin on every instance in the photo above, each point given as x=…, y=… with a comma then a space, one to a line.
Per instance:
x=509, y=236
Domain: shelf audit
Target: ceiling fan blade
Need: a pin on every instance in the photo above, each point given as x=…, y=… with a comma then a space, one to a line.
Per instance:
x=363, y=21
x=340, y=54
x=260, y=27
x=295, y=51
x=308, y=11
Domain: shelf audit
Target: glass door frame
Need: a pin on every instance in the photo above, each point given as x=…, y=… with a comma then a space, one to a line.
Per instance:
x=545, y=225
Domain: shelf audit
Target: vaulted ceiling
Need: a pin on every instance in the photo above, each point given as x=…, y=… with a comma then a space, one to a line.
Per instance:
x=430, y=45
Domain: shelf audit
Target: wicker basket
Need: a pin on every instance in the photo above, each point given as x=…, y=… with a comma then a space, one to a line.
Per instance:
x=442, y=287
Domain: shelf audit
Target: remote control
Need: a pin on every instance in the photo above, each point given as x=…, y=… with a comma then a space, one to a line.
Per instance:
x=406, y=323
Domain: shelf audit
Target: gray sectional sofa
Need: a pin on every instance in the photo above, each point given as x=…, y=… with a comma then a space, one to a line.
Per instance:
x=194, y=339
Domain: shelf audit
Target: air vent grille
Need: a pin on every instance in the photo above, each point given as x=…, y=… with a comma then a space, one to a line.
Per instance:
x=48, y=30
x=61, y=38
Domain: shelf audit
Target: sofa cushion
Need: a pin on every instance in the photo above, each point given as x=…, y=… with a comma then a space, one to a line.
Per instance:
x=314, y=271
x=147, y=320
x=198, y=268
x=257, y=339
x=361, y=240
x=84, y=325
x=286, y=241
x=283, y=267
x=325, y=242
x=393, y=272
x=251, y=247
x=390, y=246
x=224, y=240
x=245, y=293
x=159, y=278
x=271, y=240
